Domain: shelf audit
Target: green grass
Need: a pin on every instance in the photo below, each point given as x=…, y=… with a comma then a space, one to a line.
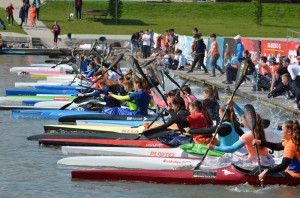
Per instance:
x=226, y=19
x=14, y=28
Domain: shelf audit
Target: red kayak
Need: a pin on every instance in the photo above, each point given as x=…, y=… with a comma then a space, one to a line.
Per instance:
x=103, y=142
x=232, y=175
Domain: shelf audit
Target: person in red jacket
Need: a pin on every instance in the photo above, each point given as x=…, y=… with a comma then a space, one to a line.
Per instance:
x=10, y=14
x=56, y=31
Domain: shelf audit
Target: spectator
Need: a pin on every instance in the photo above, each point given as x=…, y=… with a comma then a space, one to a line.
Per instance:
x=263, y=77
x=248, y=60
x=181, y=59
x=27, y=6
x=214, y=54
x=78, y=8
x=173, y=40
x=239, y=47
x=32, y=15
x=135, y=43
x=56, y=31
x=1, y=42
x=10, y=14
x=231, y=67
x=37, y=4
x=274, y=68
x=146, y=44
x=151, y=33
x=294, y=71
x=22, y=14
x=199, y=53
x=195, y=31
x=277, y=73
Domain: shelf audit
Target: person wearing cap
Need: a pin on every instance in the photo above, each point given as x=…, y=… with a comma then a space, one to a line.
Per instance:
x=239, y=47
x=199, y=53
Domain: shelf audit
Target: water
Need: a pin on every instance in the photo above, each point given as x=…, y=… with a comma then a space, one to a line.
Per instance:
x=29, y=171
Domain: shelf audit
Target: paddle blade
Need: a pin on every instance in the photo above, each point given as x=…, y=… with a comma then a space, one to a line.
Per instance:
x=250, y=116
x=241, y=73
x=66, y=105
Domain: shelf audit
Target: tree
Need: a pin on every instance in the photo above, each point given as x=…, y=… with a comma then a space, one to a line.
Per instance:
x=258, y=11
x=115, y=12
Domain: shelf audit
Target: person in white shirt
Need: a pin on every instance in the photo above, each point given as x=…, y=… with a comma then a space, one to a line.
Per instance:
x=146, y=44
x=181, y=59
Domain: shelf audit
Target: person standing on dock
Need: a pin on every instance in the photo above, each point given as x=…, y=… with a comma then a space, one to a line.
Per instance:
x=78, y=8
x=32, y=15
x=56, y=31
x=37, y=4
x=214, y=54
x=239, y=48
x=10, y=14
x=27, y=6
x=22, y=14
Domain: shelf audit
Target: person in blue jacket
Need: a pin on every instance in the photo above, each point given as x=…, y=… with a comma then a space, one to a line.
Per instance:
x=239, y=47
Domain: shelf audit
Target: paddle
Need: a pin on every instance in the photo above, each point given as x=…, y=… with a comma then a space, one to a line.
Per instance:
x=117, y=60
x=250, y=116
x=65, y=60
x=240, y=77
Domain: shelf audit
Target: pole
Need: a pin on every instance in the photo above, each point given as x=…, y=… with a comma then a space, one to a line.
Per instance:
x=116, y=11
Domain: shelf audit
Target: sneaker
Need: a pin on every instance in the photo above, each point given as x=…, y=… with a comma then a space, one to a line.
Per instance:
x=190, y=71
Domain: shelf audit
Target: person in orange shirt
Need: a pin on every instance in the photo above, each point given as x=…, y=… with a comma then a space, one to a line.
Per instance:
x=247, y=140
x=274, y=68
x=32, y=15
x=290, y=164
x=214, y=54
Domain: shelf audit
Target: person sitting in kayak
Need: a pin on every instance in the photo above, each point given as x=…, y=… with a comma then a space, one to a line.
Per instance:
x=246, y=140
x=187, y=95
x=104, y=89
x=141, y=97
x=160, y=102
x=290, y=164
x=228, y=132
x=210, y=101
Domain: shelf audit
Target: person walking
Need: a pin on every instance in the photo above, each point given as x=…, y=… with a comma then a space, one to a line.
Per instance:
x=27, y=6
x=10, y=14
x=146, y=44
x=214, y=54
x=78, y=8
x=199, y=53
x=56, y=31
x=22, y=13
x=37, y=4
x=32, y=15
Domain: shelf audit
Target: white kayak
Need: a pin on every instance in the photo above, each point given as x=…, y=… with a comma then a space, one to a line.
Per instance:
x=62, y=67
x=54, y=104
x=128, y=151
x=130, y=162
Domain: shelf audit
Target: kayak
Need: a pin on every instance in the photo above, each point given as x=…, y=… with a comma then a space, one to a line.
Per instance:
x=54, y=104
x=37, y=97
x=46, y=72
x=50, y=114
x=30, y=92
x=92, y=129
x=130, y=162
x=32, y=102
x=113, y=122
x=33, y=84
x=129, y=151
x=63, y=67
x=103, y=142
x=231, y=175
x=7, y=108
x=74, y=118
x=59, y=87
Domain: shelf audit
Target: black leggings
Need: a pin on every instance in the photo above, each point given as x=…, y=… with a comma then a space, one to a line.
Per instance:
x=55, y=38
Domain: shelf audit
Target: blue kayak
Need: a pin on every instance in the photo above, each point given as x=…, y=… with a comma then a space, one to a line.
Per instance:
x=32, y=92
x=49, y=114
x=31, y=102
x=75, y=115
x=58, y=87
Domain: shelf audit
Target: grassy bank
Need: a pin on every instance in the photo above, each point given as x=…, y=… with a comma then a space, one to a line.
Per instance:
x=14, y=28
x=225, y=19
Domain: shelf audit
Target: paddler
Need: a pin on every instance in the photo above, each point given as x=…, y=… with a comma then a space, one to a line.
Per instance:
x=290, y=164
x=246, y=140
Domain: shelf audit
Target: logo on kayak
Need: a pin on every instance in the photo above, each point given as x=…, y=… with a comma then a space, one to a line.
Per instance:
x=205, y=174
x=227, y=172
x=161, y=154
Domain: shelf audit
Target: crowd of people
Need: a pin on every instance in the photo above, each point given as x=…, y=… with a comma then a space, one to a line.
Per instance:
x=277, y=76
x=192, y=119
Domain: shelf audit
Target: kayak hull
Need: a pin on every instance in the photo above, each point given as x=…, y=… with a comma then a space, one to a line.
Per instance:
x=28, y=92
x=103, y=142
x=221, y=176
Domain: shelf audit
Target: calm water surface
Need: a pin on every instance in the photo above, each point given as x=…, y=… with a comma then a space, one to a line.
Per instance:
x=29, y=171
